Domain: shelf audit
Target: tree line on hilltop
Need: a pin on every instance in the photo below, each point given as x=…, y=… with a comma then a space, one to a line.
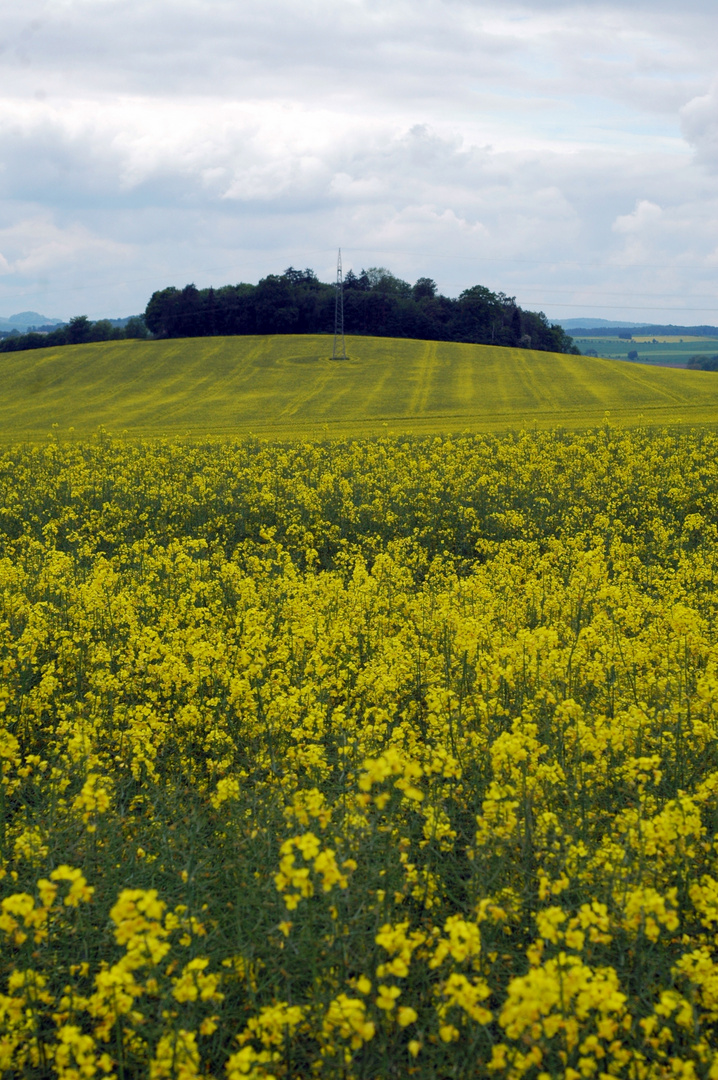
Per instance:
x=376, y=303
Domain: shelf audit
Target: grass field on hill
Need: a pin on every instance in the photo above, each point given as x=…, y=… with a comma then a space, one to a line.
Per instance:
x=288, y=385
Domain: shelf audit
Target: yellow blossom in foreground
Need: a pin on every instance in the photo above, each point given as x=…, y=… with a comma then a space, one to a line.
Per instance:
x=360, y=757
x=387, y=996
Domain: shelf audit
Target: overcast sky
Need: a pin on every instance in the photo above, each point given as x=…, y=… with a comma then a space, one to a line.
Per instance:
x=565, y=153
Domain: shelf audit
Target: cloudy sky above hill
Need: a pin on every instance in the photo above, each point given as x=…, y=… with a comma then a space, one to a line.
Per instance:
x=565, y=153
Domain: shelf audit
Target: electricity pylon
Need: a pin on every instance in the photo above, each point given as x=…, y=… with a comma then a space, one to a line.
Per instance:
x=339, y=315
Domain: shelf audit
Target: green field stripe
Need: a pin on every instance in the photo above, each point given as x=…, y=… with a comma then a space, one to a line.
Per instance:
x=422, y=397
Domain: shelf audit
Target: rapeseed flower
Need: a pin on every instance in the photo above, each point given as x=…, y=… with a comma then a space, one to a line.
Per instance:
x=350, y=757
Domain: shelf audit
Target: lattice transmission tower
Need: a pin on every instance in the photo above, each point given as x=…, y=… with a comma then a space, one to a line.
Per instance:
x=339, y=315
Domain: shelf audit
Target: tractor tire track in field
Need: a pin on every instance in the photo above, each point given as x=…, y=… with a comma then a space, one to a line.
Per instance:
x=288, y=386
x=422, y=398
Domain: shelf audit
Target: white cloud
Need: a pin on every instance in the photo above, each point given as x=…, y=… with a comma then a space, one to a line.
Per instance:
x=645, y=215
x=559, y=151
x=36, y=245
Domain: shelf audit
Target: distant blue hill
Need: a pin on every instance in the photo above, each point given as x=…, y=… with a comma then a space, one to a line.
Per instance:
x=597, y=324
x=25, y=319
x=589, y=327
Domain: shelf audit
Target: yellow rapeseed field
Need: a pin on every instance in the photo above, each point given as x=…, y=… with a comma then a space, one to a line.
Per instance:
x=287, y=386
x=360, y=759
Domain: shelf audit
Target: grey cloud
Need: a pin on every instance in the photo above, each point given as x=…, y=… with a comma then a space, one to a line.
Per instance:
x=394, y=52
x=422, y=197
x=700, y=127
x=515, y=144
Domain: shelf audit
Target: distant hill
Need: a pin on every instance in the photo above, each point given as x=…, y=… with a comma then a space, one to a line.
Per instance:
x=597, y=324
x=287, y=386
x=604, y=328
x=25, y=319
x=79, y=331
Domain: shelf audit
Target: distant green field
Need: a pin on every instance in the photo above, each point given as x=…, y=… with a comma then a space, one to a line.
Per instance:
x=288, y=385
x=663, y=350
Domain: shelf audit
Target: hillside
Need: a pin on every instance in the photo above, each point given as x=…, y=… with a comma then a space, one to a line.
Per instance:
x=287, y=385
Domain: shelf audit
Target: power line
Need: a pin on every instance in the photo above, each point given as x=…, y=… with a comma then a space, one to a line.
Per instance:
x=622, y=307
x=537, y=262
x=228, y=268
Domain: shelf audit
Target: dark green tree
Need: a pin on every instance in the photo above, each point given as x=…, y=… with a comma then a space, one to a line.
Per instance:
x=79, y=330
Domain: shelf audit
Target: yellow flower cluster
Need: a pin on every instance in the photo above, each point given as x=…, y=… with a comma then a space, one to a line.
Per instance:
x=360, y=759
